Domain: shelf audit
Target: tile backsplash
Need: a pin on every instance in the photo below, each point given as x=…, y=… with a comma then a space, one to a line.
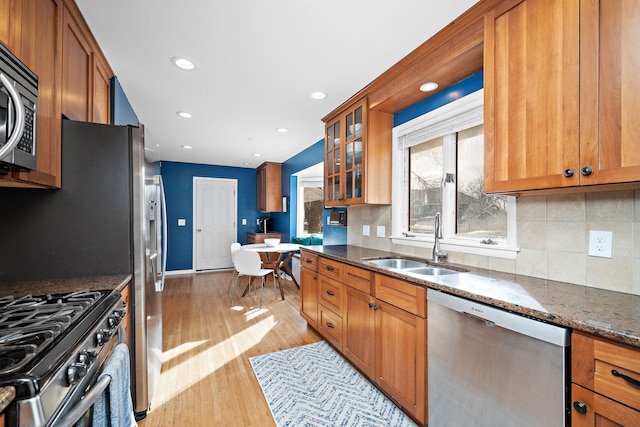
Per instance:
x=553, y=236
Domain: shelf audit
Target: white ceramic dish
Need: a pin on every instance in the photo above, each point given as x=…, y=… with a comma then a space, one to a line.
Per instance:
x=272, y=242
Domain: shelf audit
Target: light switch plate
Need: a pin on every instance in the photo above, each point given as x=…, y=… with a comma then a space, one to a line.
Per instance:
x=600, y=243
x=182, y=222
x=244, y=221
x=365, y=230
x=380, y=230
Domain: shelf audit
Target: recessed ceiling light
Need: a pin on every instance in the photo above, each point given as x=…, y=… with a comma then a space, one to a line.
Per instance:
x=246, y=163
x=318, y=95
x=183, y=63
x=428, y=87
x=257, y=154
x=184, y=114
x=187, y=147
x=282, y=130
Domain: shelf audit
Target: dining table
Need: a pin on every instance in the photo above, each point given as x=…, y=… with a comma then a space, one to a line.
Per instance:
x=279, y=255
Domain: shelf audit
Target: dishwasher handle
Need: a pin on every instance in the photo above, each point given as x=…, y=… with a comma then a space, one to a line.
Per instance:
x=488, y=323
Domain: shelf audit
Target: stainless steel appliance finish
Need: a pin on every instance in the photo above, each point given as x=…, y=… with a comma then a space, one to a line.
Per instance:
x=18, y=106
x=53, y=348
x=488, y=367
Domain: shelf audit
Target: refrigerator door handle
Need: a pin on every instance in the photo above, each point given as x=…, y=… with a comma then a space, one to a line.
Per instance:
x=164, y=233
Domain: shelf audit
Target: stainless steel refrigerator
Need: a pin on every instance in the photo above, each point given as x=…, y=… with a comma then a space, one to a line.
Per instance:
x=106, y=219
x=140, y=186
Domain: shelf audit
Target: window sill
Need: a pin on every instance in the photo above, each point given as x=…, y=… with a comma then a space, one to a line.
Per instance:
x=461, y=246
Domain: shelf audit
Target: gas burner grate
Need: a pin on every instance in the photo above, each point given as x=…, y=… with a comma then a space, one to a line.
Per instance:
x=28, y=325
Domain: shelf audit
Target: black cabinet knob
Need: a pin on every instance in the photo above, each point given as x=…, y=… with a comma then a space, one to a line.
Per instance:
x=586, y=171
x=580, y=407
x=568, y=173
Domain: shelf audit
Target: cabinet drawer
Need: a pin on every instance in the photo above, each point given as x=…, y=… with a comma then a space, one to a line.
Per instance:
x=330, y=268
x=330, y=326
x=331, y=294
x=612, y=370
x=600, y=411
x=358, y=278
x=309, y=260
x=404, y=295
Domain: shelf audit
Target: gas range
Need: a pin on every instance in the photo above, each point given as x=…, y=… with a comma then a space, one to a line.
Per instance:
x=52, y=348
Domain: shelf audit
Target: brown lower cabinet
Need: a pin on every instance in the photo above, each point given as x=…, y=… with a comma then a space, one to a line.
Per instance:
x=383, y=333
x=605, y=378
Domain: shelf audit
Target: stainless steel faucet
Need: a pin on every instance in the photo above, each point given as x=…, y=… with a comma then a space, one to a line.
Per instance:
x=437, y=253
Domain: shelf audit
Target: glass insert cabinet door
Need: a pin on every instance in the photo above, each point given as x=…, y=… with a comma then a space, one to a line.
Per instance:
x=345, y=144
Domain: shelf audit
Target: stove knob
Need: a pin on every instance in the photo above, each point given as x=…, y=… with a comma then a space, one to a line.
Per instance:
x=103, y=336
x=76, y=372
x=86, y=356
x=120, y=312
x=113, y=320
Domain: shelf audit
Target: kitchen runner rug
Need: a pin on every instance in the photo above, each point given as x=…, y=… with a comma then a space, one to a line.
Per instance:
x=314, y=386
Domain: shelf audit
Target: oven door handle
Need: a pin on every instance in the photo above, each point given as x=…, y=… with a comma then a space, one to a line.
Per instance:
x=87, y=402
x=16, y=136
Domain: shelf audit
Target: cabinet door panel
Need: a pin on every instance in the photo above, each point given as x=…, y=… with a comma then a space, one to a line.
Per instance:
x=531, y=95
x=401, y=357
x=600, y=411
x=359, y=341
x=309, y=296
x=610, y=117
x=76, y=66
x=100, y=96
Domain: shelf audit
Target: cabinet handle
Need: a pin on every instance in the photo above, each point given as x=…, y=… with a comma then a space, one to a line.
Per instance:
x=330, y=325
x=627, y=378
x=331, y=294
x=580, y=407
x=375, y=308
x=370, y=305
x=568, y=173
x=329, y=268
x=586, y=171
x=308, y=261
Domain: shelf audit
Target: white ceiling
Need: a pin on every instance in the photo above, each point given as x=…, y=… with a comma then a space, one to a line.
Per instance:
x=257, y=62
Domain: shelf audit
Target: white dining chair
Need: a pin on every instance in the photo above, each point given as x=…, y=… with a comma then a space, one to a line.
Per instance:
x=235, y=247
x=248, y=264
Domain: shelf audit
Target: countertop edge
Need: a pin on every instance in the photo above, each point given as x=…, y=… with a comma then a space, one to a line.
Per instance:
x=595, y=327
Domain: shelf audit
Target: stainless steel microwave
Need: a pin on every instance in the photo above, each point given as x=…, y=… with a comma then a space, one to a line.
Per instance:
x=18, y=106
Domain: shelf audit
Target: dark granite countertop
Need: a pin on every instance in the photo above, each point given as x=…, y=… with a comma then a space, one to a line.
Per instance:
x=61, y=286
x=609, y=314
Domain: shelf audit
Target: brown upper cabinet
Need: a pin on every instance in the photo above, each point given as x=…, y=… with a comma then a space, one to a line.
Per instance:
x=86, y=74
x=358, y=157
x=29, y=29
x=53, y=40
x=560, y=95
x=269, y=186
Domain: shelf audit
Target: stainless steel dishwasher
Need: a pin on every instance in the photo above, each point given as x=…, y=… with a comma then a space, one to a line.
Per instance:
x=489, y=367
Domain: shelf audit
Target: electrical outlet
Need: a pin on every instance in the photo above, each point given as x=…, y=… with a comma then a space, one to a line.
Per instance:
x=365, y=230
x=244, y=221
x=380, y=230
x=600, y=243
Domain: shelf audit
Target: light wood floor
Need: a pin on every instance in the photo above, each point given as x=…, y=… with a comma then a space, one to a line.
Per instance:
x=206, y=377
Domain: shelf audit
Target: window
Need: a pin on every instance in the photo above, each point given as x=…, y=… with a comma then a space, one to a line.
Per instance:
x=439, y=167
x=310, y=208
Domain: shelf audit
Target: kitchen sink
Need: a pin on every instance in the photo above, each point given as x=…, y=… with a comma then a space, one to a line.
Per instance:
x=412, y=267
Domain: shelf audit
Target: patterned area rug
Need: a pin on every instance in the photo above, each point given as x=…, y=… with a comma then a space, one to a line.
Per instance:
x=314, y=386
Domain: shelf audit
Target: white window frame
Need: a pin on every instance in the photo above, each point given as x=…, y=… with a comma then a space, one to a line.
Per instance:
x=460, y=114
x=307, y=181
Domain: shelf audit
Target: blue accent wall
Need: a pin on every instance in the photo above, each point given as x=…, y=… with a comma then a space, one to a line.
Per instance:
x=178, y=186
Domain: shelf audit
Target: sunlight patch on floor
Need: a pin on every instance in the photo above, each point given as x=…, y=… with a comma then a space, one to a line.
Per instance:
x=189, y=372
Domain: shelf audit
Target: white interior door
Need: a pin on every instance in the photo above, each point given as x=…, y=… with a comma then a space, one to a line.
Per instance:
x=215, y=213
